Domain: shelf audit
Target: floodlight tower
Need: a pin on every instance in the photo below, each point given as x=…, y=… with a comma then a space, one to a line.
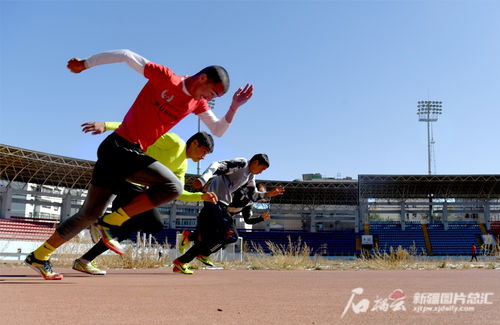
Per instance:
x=211, y=103
x=428, y=111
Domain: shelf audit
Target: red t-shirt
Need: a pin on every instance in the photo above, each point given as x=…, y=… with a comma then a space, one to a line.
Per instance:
x=160, y=105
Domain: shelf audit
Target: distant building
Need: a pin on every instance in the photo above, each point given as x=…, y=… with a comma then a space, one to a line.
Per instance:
x=318, y=177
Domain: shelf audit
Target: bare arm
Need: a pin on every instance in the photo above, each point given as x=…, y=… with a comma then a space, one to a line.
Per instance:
x=99, y=127
x=247, y=216
x=276, y=191
x=240, y=97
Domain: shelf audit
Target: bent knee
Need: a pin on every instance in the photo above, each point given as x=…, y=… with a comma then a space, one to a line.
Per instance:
x=166, y=192
x=174, y=188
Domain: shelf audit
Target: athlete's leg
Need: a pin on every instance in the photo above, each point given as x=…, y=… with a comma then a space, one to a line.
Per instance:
x=192, y=252
x=97, y=200
x=149, y=221
x=209, y=230
x=164, y=187
x=117, y=159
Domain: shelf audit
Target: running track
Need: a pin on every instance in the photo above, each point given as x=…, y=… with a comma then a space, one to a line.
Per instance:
x=158, y=296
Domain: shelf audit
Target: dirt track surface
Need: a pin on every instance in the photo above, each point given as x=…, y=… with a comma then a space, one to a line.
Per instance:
x=158, y=296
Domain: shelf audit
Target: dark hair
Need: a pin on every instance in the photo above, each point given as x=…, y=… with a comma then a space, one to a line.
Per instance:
x=261, y=158
x=204, y=139
x=216, y=74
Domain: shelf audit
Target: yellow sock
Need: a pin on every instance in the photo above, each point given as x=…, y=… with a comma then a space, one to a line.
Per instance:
x=116, y=218
x=43, y=252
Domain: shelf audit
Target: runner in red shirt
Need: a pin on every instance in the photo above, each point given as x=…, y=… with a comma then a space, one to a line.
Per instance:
x=165, y=100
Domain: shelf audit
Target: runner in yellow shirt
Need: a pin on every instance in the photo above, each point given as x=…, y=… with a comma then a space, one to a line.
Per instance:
x=171, y=151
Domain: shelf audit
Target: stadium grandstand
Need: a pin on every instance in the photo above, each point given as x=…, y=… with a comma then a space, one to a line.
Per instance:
x=427, y=214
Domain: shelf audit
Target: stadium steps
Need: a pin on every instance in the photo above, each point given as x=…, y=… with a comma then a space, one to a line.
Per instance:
x=389, y=235
x=24, y=230
x=457, y=240
x=331, y=243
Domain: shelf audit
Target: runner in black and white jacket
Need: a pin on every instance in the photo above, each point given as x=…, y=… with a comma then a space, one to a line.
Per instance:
x=214, y=221
x=243, y=201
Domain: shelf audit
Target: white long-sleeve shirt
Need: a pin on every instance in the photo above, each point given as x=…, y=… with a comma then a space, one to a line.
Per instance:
x=227, y=177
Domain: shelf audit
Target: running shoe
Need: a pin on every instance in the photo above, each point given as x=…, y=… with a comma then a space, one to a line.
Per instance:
x=205, y=260
x=87, y=267
x=181, y=267
x=109, y=240
x=42, y=267
x=184, y=241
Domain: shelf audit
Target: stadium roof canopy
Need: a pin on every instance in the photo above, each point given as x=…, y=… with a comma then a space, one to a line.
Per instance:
x=27, y=166
x=339, y=192
x=421, y=186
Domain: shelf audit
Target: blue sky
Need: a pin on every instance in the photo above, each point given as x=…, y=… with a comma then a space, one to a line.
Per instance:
x=336, y=82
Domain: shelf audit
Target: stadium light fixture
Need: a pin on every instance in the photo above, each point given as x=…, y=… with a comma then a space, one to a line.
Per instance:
x=429, y=111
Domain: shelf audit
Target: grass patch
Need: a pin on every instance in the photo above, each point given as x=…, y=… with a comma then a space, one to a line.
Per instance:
x=295, y=255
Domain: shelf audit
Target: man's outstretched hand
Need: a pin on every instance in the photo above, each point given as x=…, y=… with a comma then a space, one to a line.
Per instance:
x=276, y=191
x=241, y=96
x=93, y=127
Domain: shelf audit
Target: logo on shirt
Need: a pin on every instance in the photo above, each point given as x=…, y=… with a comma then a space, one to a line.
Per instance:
x=164, y=96
x=169, y=110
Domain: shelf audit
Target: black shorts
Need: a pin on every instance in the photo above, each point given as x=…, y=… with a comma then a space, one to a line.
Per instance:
x=117, y=159
x=214, y=222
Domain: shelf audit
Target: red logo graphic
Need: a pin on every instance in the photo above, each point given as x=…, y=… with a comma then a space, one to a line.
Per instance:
x=397, y=294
